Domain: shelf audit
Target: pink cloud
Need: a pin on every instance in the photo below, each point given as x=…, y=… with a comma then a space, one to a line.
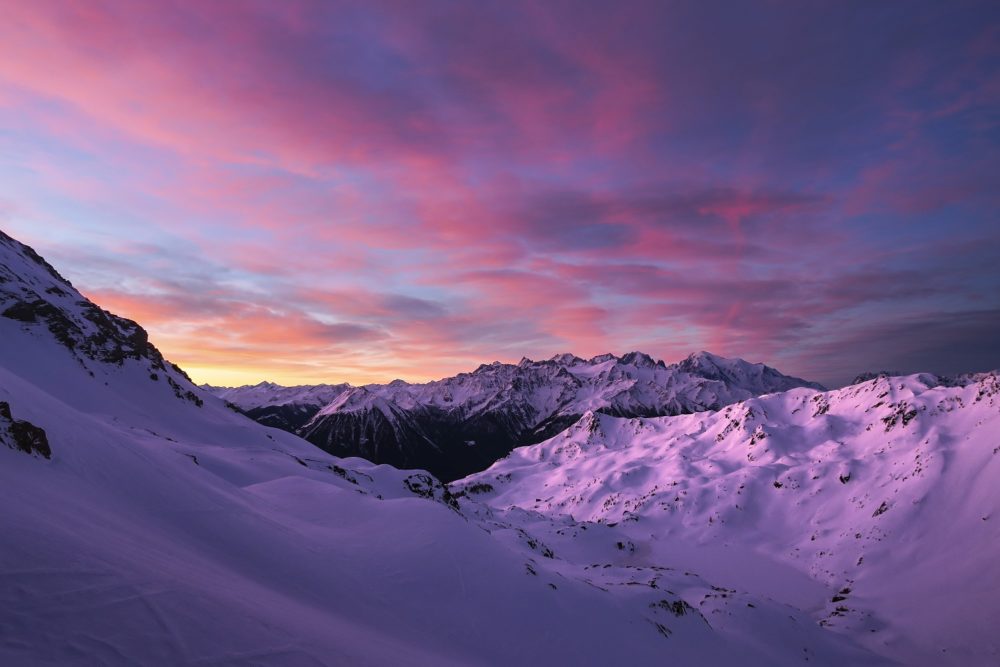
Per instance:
x=395, y=188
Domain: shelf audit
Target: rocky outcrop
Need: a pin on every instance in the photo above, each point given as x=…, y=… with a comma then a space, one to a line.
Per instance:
x=22, y=435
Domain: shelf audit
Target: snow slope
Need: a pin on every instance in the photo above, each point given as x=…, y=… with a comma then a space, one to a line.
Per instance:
x=160, y=527
x=462, y=424
x=874, y=508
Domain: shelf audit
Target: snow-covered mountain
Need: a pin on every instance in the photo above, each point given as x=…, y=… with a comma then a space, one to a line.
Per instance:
x=287, y=408
x=875, y=508
x=33, y=294
x=464, y=423
x=145, y=522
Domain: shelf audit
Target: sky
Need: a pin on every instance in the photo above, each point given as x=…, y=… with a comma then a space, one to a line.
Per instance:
x=361, y=191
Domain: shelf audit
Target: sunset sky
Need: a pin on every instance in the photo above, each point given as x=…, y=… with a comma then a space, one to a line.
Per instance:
x=360, y=191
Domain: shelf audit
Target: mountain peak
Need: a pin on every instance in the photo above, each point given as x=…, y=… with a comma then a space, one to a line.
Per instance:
x=42, y=303
x=640, y=359
x=705, y=355
x=601, y=358
x=742, y=372
x=266, y=384
x=566, y=359
x=14, y=246
x=705, y=360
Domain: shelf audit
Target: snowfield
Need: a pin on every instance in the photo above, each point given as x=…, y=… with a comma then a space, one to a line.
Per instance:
x=159, y=526
x=874, y=508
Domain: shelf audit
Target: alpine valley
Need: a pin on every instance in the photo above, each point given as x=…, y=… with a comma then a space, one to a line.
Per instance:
x=613, y=510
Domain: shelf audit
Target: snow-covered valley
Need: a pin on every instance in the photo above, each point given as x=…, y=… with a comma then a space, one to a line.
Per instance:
x=158, y=526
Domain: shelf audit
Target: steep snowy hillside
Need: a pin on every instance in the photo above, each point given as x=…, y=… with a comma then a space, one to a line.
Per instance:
x=146, y=523
x=464, y=423
x=875, y=508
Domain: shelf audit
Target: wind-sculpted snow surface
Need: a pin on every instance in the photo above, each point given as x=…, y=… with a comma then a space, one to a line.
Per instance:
x=875, y=508
x=161, y=530
x=464, y=423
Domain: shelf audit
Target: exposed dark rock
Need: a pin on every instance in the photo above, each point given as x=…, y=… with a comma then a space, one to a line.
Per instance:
x=902, y=414
x=343, y=473
x=426, y=486
x=872, y=375
x=23, y=312
x=677, y=607
x=286, y=417
x=662, y=629
x=535, y=545
x=22, y=435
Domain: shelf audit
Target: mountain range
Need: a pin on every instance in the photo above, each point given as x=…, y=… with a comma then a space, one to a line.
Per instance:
x=462, y=424
x=147, y=521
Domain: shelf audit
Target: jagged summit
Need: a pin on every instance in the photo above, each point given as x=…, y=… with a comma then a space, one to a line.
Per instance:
x=640, y=359
x=566, y=359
